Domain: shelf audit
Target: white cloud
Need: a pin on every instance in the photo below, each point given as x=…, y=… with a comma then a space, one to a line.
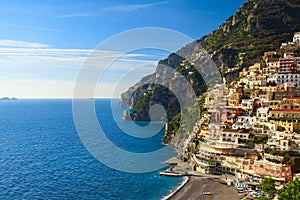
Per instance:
x=116, y=8
x=17, y=43
x=133, y=7
x=48, y=29
x=76, y=15
x=49, y=72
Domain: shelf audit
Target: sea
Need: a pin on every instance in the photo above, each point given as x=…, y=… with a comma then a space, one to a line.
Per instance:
x=42, y=156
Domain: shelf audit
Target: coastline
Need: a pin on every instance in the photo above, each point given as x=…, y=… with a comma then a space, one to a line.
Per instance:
x=193, y=187
x=177, y=189
x=195, y=183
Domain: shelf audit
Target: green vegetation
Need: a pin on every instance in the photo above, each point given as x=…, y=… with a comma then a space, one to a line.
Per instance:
x=257, y=27
x=263, y=198
x=271, y=83
x=259, y=139
x=292, y=159
x=290, y=191
x=289, y=157
x=268, y=186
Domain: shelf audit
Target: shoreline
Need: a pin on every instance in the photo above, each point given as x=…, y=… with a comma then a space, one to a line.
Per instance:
x=193, y=187
x=195, y=183
x=177, y=189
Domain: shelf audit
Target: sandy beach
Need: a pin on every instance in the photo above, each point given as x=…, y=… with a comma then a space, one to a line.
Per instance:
x=195, y=185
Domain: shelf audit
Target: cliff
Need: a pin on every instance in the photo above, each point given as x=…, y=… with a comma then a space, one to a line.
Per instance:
x=257, y=26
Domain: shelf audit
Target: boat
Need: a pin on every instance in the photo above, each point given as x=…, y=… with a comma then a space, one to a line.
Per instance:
x=206, y=193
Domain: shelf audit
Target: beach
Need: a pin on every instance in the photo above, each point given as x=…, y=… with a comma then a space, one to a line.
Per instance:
x=195, y=185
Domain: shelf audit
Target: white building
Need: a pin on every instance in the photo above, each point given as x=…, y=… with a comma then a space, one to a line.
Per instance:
x=262, y=114
x=296, y=38
x=244, y=122
x=232, y=136
x=272, y=78
x=288, y=78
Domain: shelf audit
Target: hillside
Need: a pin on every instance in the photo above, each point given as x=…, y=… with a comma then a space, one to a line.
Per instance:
x=257, y=26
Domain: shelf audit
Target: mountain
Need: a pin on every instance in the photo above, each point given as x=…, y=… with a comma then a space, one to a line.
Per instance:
x=257, y=26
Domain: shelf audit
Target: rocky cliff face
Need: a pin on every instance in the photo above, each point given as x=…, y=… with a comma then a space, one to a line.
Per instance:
x=131, y=96
x=257, y=26
x=171, y=79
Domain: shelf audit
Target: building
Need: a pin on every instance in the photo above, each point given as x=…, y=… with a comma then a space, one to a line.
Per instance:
x=289, y=103
x=286, y=119
x=233, y=164
x=283, y=141
x=272, y=79
x=204, y=165
x=287, y=125
x=234, y=99
x=288, y=78
x=267, y=92
x=285, y=113
x=286, y=90
x=207, y=159
x=271, y=67
x=230, y=135
x=295, y=101
x=278, y=172
x=287, y=65
x=232, y=114
x=262, y=114
x=244, y=122
x=296, y=38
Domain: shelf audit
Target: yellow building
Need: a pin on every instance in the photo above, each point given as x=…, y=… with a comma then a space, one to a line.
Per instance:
x=234, y=99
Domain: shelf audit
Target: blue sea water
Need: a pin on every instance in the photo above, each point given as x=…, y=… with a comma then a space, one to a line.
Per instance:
x=42, y=156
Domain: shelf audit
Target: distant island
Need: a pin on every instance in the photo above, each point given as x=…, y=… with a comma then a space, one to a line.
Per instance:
x=8, y=99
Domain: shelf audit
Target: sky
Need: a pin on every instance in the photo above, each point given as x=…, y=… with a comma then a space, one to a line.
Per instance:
x=44, y=44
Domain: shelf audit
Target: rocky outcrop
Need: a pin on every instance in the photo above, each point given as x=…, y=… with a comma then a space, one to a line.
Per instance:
x=257, y=26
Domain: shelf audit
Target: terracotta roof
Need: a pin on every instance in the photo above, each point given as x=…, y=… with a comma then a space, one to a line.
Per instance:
x=285, y=110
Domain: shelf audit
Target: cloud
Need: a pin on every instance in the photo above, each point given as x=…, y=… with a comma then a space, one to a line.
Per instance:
x=32, y=70
x=67, y=58
x=116, y=8
x=76, y=15
x=17, y=43
x=32, y=27
x=133, y=7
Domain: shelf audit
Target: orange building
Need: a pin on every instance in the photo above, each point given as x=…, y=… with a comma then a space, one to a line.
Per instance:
x=278, y=172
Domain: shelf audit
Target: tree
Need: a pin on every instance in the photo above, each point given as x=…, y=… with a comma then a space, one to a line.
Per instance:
x=263, y=198
x=290, y=191
x=268, y=186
